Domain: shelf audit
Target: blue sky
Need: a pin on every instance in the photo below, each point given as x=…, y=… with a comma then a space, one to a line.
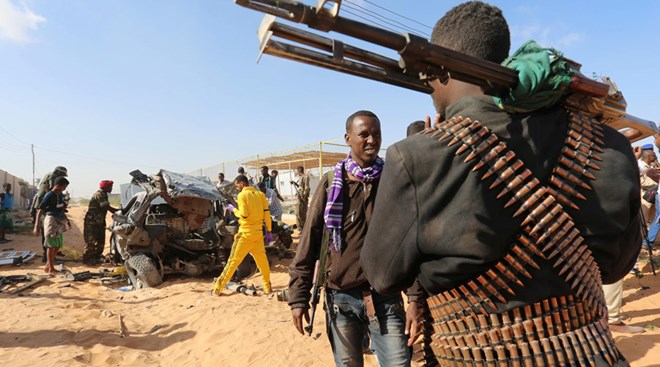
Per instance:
x=105, y=87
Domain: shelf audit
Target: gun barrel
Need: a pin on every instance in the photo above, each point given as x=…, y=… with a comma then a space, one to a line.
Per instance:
x=322, y=20
x=418, y=56
x=309, y=328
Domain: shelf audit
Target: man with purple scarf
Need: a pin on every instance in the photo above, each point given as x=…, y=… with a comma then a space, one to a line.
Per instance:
x=343, y=208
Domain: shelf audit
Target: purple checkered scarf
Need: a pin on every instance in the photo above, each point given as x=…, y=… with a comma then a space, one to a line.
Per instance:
x=334, y=208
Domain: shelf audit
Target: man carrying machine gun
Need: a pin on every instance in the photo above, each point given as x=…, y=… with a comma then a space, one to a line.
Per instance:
x=510, y=212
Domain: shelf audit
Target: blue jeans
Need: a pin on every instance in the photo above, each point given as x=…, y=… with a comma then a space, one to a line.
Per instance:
x=348, y=323
x=654, y=228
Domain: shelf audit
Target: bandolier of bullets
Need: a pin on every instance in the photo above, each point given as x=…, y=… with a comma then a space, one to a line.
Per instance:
x=566, y=330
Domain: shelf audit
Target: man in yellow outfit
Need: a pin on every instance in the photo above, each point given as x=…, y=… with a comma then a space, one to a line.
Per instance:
x=252, y=212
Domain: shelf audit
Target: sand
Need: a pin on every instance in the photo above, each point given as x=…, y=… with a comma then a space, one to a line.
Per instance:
x=65, y=323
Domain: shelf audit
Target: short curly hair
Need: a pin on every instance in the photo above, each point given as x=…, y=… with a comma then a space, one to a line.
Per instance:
x=474, y=28
x=361, y=113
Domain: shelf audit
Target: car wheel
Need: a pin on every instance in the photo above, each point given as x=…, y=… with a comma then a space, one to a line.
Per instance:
x=142, y=272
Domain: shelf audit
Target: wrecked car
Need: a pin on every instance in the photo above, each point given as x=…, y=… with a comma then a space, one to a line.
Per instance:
x=178, y=225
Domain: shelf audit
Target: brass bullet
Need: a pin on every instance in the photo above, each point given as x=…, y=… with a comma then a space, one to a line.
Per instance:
x=499, y=164
x=516, y=265
x=564, y=187
x=524, y=256
x=535, y=197
x=499, y=148
x=492, y=139
x=507, y=273
x=519, y=179
x=472, y=140
x=504, y=175
x=530, y=245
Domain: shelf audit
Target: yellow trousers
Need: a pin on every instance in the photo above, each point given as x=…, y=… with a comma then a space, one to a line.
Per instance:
x=245, y=243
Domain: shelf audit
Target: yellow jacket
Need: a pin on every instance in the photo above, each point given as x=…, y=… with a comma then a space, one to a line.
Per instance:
x=252, y=210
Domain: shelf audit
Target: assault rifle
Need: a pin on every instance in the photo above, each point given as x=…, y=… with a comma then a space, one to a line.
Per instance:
x=420, y=61
x=297, y=188
x=319, y=279
x=316, y=296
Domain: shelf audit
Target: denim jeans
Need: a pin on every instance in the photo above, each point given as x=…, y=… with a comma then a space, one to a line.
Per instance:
x=348, y=324
x=655, y=226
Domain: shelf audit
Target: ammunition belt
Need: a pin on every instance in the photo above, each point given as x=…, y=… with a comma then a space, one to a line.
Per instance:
x=573, y=328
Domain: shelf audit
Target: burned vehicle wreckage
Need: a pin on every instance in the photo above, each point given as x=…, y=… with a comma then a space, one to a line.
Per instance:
x=179, y=224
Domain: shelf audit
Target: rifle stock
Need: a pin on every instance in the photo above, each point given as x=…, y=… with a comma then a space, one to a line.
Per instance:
x=420, y=61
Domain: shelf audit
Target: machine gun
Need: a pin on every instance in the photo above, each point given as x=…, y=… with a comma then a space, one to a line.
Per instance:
x=420, y=61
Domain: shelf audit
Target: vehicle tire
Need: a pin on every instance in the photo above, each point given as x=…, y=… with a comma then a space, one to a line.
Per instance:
x=142, y=272
x=247, y=268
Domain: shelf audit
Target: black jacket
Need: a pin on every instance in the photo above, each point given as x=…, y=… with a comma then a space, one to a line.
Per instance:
x=436, y=220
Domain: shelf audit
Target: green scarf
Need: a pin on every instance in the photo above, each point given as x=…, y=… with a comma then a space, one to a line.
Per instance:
x=543, y=76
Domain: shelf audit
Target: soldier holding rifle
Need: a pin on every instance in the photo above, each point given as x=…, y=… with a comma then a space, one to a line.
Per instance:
x=302, y=196
x=510, y=212
x=340, y=213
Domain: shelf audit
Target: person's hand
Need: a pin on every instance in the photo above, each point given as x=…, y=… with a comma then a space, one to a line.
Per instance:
x=437, y=119
x=230, y=207
x=68, y=225
x=413, y=321
x=298, y=314
x=269, y=238
x=637, y=151
x=35, y=231
x=653, y=174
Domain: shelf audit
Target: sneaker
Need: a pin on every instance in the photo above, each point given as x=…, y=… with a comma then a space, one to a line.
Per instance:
x=621, y=327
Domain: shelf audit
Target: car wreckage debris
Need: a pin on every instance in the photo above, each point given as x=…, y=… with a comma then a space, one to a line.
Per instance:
x=34, y=280
x=240, y=288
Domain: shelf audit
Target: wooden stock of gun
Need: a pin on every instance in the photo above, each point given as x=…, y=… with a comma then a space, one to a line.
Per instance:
x=420, y=61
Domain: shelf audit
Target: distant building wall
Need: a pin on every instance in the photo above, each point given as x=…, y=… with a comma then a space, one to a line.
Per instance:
x=22, y=193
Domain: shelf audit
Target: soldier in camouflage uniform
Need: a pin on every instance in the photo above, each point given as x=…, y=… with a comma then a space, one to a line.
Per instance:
x=302, y=197
x=94, y=227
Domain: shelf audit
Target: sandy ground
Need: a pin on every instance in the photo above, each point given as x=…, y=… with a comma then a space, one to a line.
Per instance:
x=64, y=323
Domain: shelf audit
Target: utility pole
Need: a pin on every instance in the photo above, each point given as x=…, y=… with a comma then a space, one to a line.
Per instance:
x=34, y=180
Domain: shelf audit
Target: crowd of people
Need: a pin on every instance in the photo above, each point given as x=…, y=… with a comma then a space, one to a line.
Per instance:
x=507, y=225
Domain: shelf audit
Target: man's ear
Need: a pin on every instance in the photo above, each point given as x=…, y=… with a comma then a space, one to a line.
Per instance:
x=347, y=138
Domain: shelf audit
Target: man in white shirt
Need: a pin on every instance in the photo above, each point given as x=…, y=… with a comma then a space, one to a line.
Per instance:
x=648, y=176
x=221, y=181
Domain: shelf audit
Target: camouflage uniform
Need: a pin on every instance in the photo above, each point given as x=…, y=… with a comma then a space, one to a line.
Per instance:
x=94, y=227
x=302, y=197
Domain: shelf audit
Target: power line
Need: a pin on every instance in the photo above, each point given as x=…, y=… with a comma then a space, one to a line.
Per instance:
x=94, y=158
x=6, y=146
x=12, y=136
x=371, y=21
x=402, y=16
x=392, y=22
